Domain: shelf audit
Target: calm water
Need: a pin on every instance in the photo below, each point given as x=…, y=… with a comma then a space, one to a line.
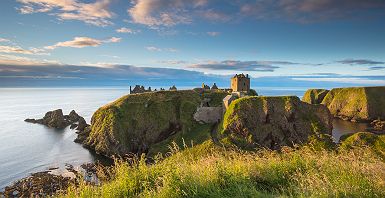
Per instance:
x=27, y=148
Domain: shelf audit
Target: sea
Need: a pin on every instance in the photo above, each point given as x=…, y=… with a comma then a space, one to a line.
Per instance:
x=26, y=148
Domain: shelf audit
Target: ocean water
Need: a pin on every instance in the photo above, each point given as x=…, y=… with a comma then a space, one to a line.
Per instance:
x=26, y=148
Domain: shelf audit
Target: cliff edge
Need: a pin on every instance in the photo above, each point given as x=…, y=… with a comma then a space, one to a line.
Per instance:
x=273, y=122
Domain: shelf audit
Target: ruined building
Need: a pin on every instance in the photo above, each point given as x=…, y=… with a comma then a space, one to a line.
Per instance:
x=240, y=83
x=139, y=89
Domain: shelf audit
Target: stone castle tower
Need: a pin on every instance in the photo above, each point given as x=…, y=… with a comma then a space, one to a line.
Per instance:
x=240, y=83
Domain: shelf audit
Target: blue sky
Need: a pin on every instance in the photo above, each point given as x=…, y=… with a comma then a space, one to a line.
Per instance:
x=306, y=41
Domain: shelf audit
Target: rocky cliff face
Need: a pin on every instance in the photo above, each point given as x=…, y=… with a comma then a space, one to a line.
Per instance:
x=356, y=103
x=273, y=122
x=134, y=123
x=315, y=96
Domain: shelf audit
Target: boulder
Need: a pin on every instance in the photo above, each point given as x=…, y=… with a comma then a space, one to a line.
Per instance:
x=314, y=96
x=273, y=122
x=361, y=104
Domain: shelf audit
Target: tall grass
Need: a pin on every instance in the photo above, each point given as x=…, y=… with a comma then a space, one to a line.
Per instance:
x=207, y=170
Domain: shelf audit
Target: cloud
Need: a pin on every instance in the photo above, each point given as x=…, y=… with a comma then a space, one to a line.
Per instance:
x=96, y=13
x=360, y=62
x=213, y=33
x=97, y=74
x=349, y=80
x=156, y=49
x=127, y=30
x=163, y=12
x=167, y=13
x=234, y=65
x=113, y=40
x=172, y=62
x=312, y=11
x=80, y=42
x=20, y=50
x=4, y=40
x=7, y=59
x=377, y=68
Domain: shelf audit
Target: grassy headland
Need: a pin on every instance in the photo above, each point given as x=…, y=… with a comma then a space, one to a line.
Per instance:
x=208, y=170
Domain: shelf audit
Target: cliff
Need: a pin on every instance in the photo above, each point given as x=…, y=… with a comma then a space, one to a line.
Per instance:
x=147, y=122
x=356, y=103
x=314, y=96
x=273, y=122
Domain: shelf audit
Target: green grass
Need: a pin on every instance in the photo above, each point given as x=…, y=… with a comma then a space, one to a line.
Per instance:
x=364, y=139
x=348, y=102
x=133, y=121
x=196, y=135
x=207, y=170
x=314, y=96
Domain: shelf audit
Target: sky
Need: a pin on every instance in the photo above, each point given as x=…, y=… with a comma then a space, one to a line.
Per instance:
x=113, y=42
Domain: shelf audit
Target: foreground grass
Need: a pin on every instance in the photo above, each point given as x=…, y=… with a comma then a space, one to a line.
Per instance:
x=207, y=170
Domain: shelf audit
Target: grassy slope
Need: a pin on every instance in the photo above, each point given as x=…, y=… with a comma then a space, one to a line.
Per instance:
x=314, y=96
x=246, y=110
x=366, y=139
x=207, y=170
x=376, y=101
x=143, y=117
x=348, y=102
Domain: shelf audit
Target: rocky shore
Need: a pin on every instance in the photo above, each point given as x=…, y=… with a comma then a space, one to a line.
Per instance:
x=53, y=182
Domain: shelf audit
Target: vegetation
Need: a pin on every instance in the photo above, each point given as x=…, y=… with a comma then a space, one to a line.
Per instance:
x=211, y=168
x=365, y=139
x=356, y=103
x=314, y=96
x=134, y=122
x=207, y=170
x=272, y=122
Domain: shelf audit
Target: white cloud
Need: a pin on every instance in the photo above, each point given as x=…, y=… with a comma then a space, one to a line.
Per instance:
x=127, y=30
x=152, y=48
x=172, y=62
x=344, y=80
x=80, y=42
x=156, y=49
x=4, y=40
x=96, y=13
x=20, y=50
x=113, y=40
x=163, y=12
x=213, y=33
x=6, y=59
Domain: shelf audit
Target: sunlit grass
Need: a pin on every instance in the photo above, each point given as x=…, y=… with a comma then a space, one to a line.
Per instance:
x=207, y=170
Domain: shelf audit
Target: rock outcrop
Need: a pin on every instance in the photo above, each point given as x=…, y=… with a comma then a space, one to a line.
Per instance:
x=359, y=104
x=56, y=119
x=133, y=123
x=314, y=96
x=273, y=122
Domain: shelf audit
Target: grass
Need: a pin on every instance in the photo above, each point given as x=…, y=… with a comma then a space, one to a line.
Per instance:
x=348, y=102
x=207, y=170
x=314, y=96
